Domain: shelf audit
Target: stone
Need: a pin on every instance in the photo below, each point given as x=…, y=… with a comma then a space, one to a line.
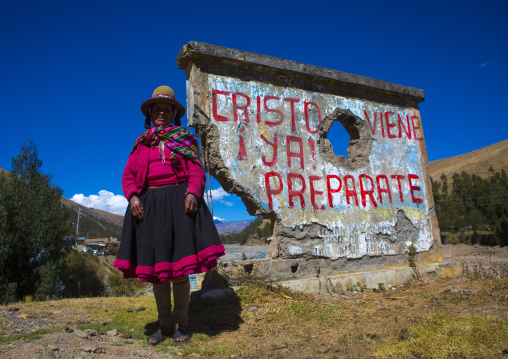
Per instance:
x=273, y=248
x=125, y=336
x=140, y=309
x=52, y=347
x=91, y=332
x=112, y=333
x=89, y=348
x=213, y=279
x=460, y=290
x=212, y=293
x=80, y=334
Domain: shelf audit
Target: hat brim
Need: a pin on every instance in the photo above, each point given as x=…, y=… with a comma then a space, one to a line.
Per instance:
x=146, y=105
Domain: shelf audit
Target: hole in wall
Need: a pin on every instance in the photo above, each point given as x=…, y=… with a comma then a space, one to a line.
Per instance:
x=294, y=268
x=248, y=268
x=344, y=140
x=338, y=138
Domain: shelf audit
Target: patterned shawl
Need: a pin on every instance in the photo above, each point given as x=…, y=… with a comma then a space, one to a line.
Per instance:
x=177, y=139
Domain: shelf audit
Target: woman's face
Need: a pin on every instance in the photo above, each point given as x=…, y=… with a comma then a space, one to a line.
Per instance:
x=162, y=114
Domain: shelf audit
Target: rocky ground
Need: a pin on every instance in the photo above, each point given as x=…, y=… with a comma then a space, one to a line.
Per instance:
x=55, y=334
x=52, y=329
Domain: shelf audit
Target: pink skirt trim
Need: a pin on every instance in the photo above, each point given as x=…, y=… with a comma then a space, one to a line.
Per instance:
x=165, y=271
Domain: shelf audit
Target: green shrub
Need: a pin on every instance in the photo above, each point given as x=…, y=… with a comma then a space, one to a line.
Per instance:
x=85, y=275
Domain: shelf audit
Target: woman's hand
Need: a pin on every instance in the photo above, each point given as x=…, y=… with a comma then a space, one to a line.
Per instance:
x=137, y=208
x=191, y=203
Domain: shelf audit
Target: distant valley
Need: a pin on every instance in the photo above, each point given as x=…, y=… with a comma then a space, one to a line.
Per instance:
x=224, y=227
x=99, y=224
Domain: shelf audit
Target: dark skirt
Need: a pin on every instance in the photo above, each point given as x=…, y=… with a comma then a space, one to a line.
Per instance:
x=168, y=244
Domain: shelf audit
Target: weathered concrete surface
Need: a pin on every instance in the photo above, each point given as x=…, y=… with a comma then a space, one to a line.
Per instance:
x=321, y=275
x=264, y=124
x=371, y=279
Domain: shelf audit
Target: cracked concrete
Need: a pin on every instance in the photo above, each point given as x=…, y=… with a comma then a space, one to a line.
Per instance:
x=360, y=143
x=264, y=125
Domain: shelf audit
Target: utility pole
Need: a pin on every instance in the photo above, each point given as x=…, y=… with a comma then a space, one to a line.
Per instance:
x=77, y=227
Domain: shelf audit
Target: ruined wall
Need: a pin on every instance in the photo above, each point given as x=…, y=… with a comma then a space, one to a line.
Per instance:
x=264, y=122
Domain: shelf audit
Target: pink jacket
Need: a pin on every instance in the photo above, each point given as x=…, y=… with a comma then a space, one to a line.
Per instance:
x=136, y=170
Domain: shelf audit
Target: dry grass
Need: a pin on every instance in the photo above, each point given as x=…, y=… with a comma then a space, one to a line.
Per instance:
x=441, y=319
x=442, y=336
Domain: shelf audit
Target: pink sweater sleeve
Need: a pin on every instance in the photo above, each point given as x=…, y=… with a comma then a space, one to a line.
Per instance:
x=129, y=184
x=196, y=179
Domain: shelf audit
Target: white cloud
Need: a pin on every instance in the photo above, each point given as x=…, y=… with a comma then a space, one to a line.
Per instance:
x=106, y=201
x=218, y=195
x=488, y=63
x=117, y=204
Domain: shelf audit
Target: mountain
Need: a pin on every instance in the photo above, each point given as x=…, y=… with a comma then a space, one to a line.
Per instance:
x=100, y=224
x=477, y=162
x=232, y=227
x=218, y=220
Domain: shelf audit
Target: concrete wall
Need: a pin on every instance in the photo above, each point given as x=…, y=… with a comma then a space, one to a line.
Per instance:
x=264, y=123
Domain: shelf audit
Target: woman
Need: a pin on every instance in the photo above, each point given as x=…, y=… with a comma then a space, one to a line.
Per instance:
x=168, y=231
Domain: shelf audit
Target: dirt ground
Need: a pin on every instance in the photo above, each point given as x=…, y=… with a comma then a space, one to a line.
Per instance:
x=276, y=325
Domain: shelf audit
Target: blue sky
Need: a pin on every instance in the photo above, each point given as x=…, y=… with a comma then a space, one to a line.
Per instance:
x=74, y=73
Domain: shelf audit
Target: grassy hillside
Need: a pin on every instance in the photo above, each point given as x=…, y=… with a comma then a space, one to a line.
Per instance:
x=255, y=233
x=477, y=162
x=93, y=223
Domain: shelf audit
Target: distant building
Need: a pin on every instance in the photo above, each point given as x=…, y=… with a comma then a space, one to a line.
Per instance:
x=97, y=244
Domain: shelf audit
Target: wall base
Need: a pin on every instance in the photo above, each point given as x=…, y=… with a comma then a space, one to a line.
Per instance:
x=371, y=279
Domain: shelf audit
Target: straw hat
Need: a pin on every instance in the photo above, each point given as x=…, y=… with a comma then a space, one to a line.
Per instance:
x=163, y=94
